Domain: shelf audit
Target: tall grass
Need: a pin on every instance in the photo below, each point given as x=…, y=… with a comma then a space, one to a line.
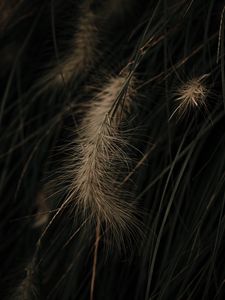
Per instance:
x=112, y=116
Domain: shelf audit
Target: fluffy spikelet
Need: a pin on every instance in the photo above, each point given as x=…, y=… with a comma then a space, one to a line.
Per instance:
x=191, y=94
x=42, y=215
x=83, y=48
x=102, y=158
x=28, y=289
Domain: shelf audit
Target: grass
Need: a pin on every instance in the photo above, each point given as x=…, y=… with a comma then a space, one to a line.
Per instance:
x=112, y=176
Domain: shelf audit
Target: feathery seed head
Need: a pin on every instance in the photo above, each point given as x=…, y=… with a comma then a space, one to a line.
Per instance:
x=28, y=288
x=102, y=158
x=83, y=48
x=191, y=94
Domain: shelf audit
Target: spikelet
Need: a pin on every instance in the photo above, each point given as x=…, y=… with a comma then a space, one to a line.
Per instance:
x=191, y=94
x=101, y=158
x=83, y=50
x=85, y=47
x=42, y=215
x=28, y=289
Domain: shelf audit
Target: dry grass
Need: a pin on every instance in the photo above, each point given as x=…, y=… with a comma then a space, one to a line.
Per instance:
x=191, y=95
x=101, y=157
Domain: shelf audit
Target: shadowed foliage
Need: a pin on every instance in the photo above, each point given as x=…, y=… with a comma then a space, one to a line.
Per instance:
x=112, y=149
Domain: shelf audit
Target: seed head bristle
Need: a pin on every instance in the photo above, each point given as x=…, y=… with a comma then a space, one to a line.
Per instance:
x=191, y=94
x=42, y=215
x=28, y=288
x=83, y=50
x=101, y=158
